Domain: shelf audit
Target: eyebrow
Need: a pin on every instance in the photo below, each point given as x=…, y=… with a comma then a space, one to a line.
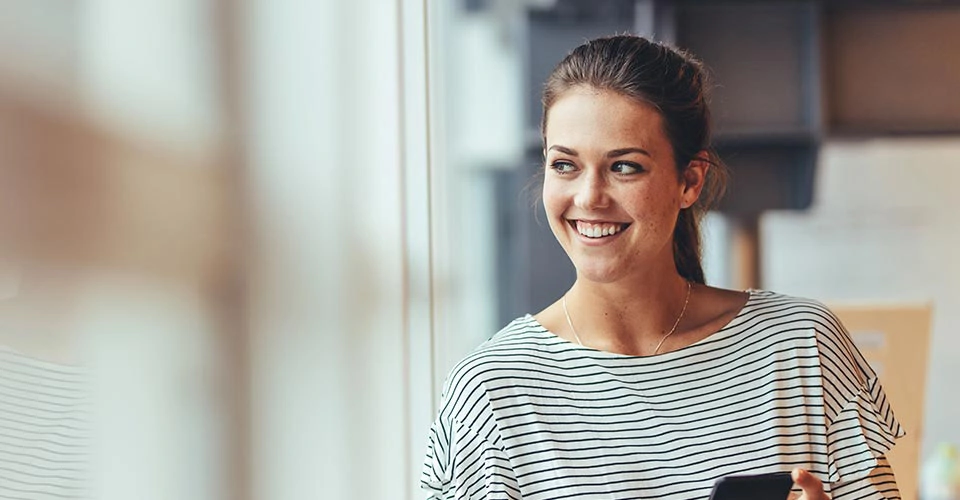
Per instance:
x=613, y=153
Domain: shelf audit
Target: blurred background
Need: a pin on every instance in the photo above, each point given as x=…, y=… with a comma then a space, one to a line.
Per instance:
x=242, y=243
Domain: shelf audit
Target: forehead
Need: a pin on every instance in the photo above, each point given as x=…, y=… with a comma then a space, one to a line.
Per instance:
x=588, y=118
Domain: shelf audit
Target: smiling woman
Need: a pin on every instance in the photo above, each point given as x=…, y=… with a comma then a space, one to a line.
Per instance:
x=642, y=381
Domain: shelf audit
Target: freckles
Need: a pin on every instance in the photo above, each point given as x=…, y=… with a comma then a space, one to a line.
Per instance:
x=657, y=213
x=652, y=226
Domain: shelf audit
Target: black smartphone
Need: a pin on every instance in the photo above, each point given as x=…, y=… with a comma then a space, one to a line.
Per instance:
x=772, y=486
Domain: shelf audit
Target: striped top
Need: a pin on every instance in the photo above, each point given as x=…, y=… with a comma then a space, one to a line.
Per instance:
x=530, y=415
x=45, y=433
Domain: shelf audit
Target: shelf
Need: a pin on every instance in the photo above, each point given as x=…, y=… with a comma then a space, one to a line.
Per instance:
x=756, y=136
x=764, y=59
x=765, y=177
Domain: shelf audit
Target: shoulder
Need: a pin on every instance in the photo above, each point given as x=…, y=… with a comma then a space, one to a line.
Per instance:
x=493, y=362
x=773, y=311
x=769, y=306
x=839, y=356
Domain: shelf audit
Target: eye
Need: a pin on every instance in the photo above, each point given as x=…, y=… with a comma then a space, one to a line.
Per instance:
x=562, y=167
x=626, y=168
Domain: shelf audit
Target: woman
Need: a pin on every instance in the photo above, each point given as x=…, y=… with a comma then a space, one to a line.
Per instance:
x=642, y=381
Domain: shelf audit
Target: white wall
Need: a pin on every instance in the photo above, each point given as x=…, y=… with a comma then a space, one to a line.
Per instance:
x=334, y=89
x=884, y=228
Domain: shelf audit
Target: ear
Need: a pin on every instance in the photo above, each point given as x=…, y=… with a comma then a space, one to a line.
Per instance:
x=693, y=178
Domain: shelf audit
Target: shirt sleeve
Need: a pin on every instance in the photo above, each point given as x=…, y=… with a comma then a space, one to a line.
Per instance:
x=861, y=426
x=462, y=465
x=879, y=484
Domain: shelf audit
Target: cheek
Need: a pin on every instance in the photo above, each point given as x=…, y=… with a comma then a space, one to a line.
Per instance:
x=553, y=199
x=654, y=212
x=555, y=204
x=666, y=216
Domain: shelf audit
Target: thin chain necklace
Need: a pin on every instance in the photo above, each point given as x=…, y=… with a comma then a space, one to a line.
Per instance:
x=657, y=350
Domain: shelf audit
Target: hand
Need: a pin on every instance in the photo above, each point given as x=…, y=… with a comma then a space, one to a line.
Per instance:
x=811, y=486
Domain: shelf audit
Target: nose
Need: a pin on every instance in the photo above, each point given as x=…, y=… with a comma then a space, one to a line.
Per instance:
x=591, y=192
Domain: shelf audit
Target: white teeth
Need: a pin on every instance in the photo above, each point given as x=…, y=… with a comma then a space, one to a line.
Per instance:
x=598, y=230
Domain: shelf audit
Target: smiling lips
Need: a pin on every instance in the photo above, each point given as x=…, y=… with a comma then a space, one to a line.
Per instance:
x=598, y=229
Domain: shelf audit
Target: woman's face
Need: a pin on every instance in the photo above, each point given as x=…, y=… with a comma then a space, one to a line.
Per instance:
x=611, y=189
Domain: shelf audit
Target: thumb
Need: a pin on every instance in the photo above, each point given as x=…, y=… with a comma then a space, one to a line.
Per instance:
x=811, y=486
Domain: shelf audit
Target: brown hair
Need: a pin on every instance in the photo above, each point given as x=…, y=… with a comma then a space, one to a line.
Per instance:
x=675, y=84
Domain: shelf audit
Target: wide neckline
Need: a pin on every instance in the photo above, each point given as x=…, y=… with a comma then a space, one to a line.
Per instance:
x=717, y=335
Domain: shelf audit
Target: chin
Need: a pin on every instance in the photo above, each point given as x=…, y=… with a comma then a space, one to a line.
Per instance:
x=599, y=273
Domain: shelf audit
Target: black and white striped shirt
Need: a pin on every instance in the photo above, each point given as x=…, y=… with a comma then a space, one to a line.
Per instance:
x=45, y=429
x=529, y=415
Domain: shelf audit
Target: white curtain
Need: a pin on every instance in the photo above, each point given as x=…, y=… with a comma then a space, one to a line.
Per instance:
x=337, y=106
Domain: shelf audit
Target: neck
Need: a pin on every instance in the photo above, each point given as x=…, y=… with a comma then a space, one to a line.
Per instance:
x=628, y=317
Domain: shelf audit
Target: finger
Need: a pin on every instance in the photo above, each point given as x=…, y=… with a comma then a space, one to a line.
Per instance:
x=811, y=486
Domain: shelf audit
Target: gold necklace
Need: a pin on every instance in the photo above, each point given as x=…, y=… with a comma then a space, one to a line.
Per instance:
x=657, y=350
